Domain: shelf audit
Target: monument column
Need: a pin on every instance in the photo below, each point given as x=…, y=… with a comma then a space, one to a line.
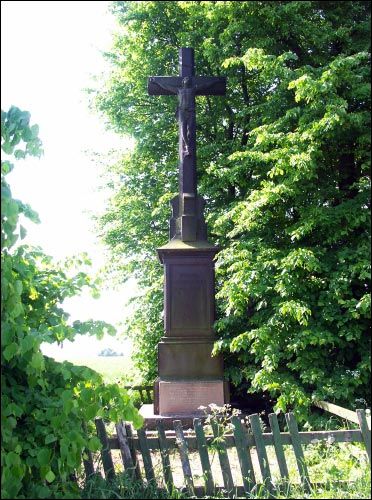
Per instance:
x=188, y=375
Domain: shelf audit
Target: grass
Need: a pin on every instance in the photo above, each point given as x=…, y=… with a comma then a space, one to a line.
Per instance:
x=112, y=368
x=123, y=488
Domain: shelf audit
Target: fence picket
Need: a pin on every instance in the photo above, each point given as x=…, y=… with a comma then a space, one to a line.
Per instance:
x=298, y=451
x=88, y=464
x=124, y=449
x=364, y=429
x=182, y=446
x=108, y=465
x=224, y=460
x=204, y=457
x=133, y=452
x=165, y=456
x=263, y=461
x=278, y=445
x=88, y=461
x=147, y=462
x=244, y=455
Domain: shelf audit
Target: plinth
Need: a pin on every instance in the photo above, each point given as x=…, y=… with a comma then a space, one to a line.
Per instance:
x=188, y=375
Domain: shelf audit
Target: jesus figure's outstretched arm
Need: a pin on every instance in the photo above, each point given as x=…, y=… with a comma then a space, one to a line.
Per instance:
x=165, y=86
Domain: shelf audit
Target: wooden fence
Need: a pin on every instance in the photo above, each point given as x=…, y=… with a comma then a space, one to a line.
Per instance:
x=138, y=448
x=146, y=392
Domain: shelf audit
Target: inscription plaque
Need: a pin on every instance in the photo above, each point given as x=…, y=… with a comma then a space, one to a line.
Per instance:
x=183, y=397
x=189, y=296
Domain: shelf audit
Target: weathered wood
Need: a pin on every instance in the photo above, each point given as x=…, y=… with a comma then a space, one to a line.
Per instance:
x=182, y=446
x=366, y=432
x=108, y=465
x=146, y=456
x=124, y=449
x=263, y=461
x=87, y=462
x=204, y=457
x=165, y=456
x=244, y=455
x=297, y=448
x=351, y=436
x=133, y=452
x=278, y=445
x=224, y=459
x=338, y=410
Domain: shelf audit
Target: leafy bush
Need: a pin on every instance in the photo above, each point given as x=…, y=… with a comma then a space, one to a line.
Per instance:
x=45, y=405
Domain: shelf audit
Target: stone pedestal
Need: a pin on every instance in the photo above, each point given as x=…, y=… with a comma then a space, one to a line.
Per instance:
x=189, y=376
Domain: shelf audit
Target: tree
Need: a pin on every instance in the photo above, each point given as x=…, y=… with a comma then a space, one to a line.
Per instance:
x=108, y=352
x=283, y=163
x=47, y=408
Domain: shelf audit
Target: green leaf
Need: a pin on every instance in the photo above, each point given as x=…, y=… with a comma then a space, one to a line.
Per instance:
x=7, y=148
x=10, y=351
x=37, y=361
x=50, y=438
x=34, y=131
x=27, y=343
x=6, y=167
x=12, y=459
x=19, y=154
x=94, y=444
x=50, y=476
x=43, y=456
x=18, y=287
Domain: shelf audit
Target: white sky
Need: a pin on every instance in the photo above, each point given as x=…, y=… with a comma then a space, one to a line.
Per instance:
x=49, y=52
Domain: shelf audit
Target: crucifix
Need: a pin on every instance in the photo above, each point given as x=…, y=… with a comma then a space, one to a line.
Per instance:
x=187, y=223
x=188, y=375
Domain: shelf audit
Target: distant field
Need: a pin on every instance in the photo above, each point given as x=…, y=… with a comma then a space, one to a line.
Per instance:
x=113, y=368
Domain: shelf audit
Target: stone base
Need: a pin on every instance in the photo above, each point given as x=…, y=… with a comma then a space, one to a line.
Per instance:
x=188, y=358
x=178, y=397
x=151, y=418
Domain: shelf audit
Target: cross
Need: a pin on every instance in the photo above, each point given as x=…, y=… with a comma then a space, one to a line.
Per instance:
x=187, y=86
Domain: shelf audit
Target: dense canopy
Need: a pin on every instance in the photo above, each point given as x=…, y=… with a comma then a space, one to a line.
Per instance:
x=283, y=162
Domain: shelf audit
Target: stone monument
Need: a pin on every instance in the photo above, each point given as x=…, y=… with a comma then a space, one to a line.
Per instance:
x=188, y=376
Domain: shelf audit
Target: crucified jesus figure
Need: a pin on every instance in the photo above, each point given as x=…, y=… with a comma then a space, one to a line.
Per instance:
x=186, y=109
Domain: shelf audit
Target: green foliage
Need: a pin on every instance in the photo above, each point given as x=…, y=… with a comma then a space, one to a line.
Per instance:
x=283, y=163
x=46, y=406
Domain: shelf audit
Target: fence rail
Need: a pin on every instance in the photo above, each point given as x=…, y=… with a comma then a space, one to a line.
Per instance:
x=142, y=444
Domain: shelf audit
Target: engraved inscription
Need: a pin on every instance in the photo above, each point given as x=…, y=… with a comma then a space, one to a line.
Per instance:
x=185, y=397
